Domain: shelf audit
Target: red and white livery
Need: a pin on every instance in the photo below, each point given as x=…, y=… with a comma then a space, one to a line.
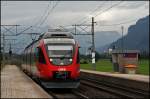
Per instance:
x=54, y=60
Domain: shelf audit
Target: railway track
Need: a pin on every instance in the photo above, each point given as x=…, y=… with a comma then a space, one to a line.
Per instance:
x=84, y=92
x=61, y=93
x=90, y=88
x=65, y=93
x=119, y=91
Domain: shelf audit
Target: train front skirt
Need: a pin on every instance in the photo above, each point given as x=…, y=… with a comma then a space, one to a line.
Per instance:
x=61, y=84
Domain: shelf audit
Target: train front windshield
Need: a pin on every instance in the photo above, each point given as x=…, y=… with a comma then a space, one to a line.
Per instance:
x=60, y=54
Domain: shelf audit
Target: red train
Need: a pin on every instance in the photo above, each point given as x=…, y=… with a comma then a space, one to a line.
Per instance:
x=53, y=59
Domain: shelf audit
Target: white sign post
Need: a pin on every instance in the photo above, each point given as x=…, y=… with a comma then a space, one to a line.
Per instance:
x=93, y=57
x=93, y=60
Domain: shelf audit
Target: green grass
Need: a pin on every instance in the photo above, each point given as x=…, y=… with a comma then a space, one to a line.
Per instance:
x=102, y=65
x=106, y=66
x=143, y=67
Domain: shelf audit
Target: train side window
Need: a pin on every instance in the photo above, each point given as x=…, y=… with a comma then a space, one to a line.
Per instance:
x=36, y=53
x=41, y=56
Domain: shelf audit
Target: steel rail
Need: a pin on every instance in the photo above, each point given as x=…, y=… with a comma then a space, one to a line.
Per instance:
x=115, y=89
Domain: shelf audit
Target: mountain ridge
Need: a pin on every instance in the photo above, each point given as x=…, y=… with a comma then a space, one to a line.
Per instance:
x=136, y=38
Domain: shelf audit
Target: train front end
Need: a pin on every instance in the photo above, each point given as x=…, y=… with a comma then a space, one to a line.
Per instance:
x=62, y=56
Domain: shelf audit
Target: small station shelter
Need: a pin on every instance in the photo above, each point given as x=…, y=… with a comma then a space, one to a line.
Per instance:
x=125, y=61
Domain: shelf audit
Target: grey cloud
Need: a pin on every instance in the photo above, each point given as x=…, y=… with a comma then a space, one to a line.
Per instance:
x=132, y=4
x=67, y=12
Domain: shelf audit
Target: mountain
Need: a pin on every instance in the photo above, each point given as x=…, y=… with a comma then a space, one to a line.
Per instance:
x=102, y=49
x=137, y=37
x=101, y=38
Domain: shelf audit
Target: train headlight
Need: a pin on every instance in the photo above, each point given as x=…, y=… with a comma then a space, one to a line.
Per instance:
x=70, y=60
x=61, y=63
x=51, y=60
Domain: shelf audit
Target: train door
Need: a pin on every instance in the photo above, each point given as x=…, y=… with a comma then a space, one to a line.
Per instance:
x=26, y=63
x=28, y=60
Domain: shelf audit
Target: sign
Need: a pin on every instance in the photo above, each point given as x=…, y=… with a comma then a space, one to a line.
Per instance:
x=93, y=54
x=130, y=55
x=93, y=60
x=93, y=57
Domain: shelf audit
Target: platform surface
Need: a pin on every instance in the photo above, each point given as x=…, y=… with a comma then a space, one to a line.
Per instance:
x=15, y=84
x=136, y=77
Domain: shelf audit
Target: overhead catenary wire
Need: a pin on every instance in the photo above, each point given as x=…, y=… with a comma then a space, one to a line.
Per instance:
x=104, y=11
x=97, y=8
x=50, y=11
x=114, y=5
x=108, y=8
x=24, y=30
x=126, y=22
x=85, y=17
x=46, y=10
x=9, y=29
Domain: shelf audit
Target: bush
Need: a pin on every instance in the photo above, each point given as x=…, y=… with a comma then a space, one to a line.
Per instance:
x=83, y=61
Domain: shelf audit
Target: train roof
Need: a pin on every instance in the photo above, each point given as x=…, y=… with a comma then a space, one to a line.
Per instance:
x=58, y=35
x=53, y=33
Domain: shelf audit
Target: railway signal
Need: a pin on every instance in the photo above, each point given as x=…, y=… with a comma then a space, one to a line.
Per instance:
x=10, y=51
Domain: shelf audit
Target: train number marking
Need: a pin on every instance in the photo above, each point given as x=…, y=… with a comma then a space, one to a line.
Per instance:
x=61, y=69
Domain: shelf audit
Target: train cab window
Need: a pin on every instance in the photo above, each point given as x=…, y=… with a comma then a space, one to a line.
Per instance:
x=59, y=51
x=41, y=56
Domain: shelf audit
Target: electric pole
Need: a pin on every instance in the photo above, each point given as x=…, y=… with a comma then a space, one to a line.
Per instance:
x=75, y=29
x=93, y=44
x=122, y=28
x=3, y=48
x=4, y=35
x=93, y=41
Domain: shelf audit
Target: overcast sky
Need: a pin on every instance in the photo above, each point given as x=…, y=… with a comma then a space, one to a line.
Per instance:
x=74, y=12
x=68, y=13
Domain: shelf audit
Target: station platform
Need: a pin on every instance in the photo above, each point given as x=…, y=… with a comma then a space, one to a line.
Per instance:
x=136, y=77
x=134, y=81
x=15, y=84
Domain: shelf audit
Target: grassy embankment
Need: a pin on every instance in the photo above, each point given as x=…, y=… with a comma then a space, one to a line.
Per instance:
x=106, y=66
